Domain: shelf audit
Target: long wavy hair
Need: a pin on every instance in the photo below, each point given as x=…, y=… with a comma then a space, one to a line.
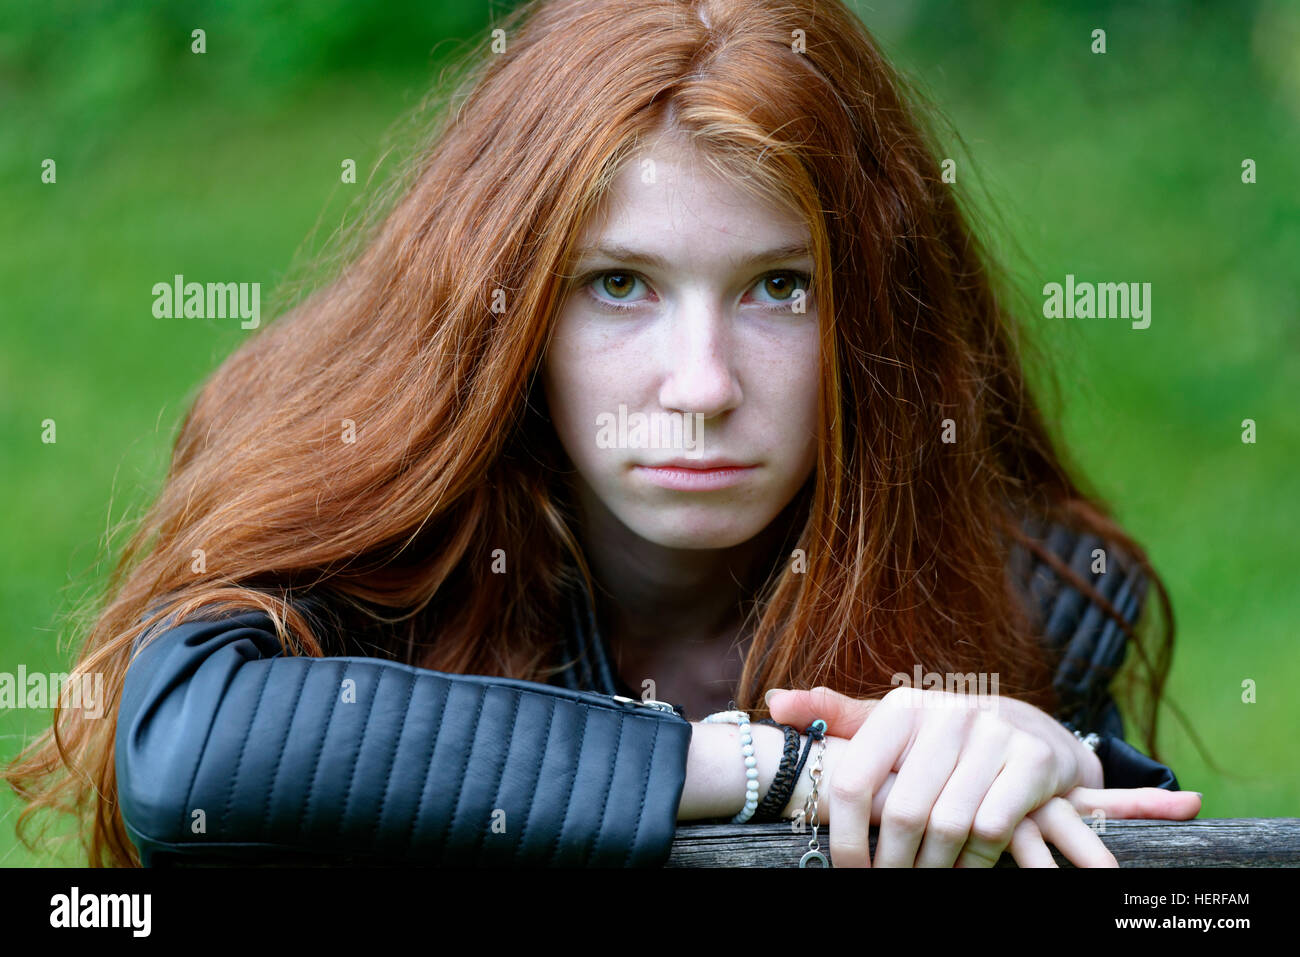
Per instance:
x=385, y=434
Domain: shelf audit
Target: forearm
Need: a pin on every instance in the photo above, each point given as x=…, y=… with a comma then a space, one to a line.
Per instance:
x=715, y=769
x=215, y=726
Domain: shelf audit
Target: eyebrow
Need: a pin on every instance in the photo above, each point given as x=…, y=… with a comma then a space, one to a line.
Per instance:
x=628, y=254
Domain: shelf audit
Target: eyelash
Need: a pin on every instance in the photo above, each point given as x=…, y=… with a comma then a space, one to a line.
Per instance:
x=625, y=307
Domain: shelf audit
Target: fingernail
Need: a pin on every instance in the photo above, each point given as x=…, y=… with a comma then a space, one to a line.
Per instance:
x=767, y=698
x=1198, y=794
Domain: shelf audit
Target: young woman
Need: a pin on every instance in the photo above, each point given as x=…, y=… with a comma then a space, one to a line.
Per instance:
x=424, y=572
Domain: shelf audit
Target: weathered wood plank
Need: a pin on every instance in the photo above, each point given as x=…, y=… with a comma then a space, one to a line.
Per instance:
x=1213, y=842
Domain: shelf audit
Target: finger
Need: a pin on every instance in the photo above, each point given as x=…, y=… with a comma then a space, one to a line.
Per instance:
x=1060, y=823
x=843, y=715
x=859, y=773
x=905, y=821
x=881, y=798
x=878, y=801
x=1028, y=847
x=1149, y=803
x=954, y=812
x=1021, y=786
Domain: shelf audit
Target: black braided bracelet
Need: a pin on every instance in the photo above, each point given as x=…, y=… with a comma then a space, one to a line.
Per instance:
x=814, y=734
x=778, y=795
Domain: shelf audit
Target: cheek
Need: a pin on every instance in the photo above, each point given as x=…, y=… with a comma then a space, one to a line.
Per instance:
x=575, y=395
x=564, y=395
x=561, y=389
x=812, y=418
x=804, y=439
x=794, y=378
x=811, y=392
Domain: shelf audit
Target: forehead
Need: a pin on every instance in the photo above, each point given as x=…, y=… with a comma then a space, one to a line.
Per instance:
x=669, y=189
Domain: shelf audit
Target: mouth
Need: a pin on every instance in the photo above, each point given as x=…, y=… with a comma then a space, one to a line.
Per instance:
x=696, y=476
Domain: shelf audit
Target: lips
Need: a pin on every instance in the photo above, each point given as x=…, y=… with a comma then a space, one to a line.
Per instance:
x=696, y=475
x=699, y=465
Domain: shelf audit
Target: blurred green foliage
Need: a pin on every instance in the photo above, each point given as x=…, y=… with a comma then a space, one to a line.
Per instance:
x=1116, y=167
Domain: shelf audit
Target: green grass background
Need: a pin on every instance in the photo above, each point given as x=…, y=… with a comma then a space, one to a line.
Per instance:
x=1116, y=167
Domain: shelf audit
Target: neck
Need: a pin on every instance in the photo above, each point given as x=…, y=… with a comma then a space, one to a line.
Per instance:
x=660, y=596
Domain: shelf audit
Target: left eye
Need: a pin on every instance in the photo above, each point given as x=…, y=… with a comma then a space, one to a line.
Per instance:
x=782, y=286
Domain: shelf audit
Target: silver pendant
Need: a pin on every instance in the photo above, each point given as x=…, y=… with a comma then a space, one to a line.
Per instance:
x=814, y=855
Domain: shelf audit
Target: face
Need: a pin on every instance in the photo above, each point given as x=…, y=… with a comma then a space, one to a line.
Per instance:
x=688, y=337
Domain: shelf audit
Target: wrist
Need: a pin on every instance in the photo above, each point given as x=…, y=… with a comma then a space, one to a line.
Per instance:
x=769, y=744
x=802, y=786
x=715, y=769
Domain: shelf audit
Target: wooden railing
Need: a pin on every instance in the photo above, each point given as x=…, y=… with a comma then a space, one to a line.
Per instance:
x=1224, y=842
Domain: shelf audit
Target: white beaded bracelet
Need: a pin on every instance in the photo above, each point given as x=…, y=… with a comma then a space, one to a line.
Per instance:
x=747, y=751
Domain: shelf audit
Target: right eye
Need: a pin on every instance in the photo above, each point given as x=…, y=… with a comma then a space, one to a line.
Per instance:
x=618, y=285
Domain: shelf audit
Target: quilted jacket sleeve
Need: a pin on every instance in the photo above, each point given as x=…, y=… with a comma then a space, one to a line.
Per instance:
x=229, y=750
x=1092, y=647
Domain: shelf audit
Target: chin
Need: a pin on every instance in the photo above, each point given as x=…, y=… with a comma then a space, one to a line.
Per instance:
x=696, y=531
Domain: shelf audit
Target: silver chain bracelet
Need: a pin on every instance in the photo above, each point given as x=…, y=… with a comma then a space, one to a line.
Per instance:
x=809, y=810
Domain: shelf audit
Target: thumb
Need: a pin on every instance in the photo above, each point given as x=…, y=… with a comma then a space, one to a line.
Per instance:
x=843, y=715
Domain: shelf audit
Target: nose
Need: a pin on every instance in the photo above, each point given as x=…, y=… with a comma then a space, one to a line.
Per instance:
x=700, y=362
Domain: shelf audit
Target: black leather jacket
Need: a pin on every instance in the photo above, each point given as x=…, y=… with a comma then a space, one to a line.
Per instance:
x=229, y=750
